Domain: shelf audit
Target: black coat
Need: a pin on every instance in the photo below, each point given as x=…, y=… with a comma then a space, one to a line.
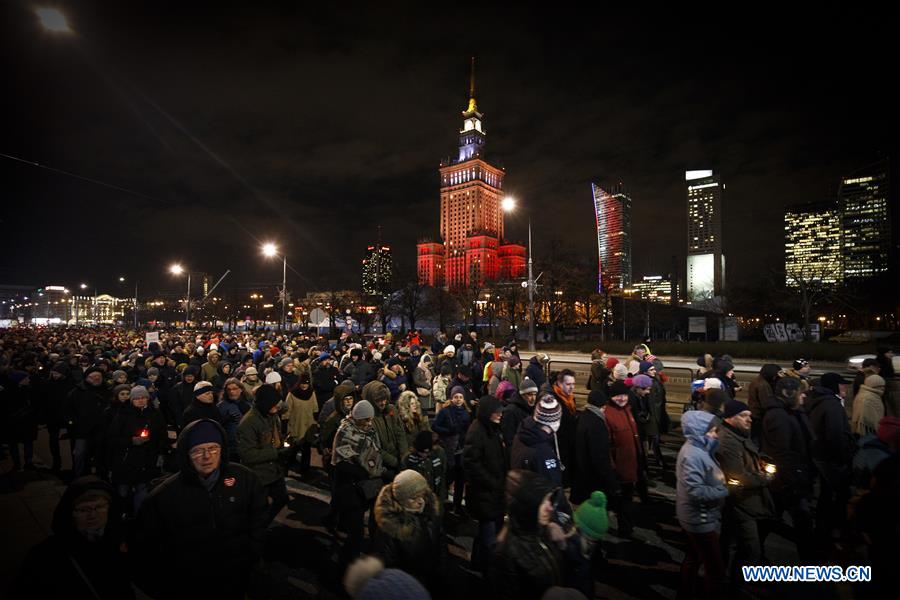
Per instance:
x=526, y=565
x=739, y=459
x=833, y=444
x=201, y=410
x=411, y=542
x=83, y=411
x=324, y=380
x=179, y=398
x=513, y=414
x=535, y=372
x=53, y=393
x=194, y=543
x=592, y=469
x=535, y=450
x=787, y=440
x=132, y=463
x=485, y=464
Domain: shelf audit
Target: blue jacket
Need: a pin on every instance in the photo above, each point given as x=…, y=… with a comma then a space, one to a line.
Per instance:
x=231, y=416
x=535, y=372
x=700, y=488
x=535, y=450
x=451, y=425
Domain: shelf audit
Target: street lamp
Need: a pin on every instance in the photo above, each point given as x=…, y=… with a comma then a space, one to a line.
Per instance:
x=270, y=250
x=509, y=205
x=177, y=269
x=53, y=20
x=122, y=280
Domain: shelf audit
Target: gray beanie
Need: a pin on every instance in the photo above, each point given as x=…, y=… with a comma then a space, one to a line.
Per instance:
x=528, y=387
x=139, y=391
x=362, y=410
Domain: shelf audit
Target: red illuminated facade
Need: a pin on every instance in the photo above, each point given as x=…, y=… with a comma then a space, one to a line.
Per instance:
x=472, y=250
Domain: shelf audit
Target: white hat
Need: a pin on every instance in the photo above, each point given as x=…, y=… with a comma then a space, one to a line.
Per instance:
x=273, y=377
x=712, y=383
x=202, y=384
x=251, y=371
x=450, y=349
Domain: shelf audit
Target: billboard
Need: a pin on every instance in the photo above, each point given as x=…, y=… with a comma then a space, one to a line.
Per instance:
x=700, y=276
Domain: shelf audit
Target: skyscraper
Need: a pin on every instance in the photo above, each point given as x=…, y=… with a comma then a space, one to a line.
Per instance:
x=705, y=258
x=378, y=270
x=471, y=216
x=812, y=244
x=866, y=221
x=612, y=210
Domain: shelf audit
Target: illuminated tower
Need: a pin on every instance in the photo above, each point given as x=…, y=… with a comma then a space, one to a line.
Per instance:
x=705, y=258
x=378, y=269
x=612, y=210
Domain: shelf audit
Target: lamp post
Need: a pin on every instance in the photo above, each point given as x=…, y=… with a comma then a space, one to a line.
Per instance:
x=177, y=269
x=122, y=280
x=271, y=251
x=509, y=205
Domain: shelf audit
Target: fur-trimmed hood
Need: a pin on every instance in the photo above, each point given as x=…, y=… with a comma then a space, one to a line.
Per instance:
x=397, y=522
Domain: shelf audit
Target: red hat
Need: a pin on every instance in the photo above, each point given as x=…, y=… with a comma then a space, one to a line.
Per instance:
x=611, y=362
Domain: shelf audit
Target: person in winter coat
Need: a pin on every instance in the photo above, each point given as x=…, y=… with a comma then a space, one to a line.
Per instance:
x=84, y=557
x=528, y=560
x=599, y=373
x=209, y=517
x=451, y=425
x=535, y=370
x=594, y=470
x=394, y=379
x=564, y=391
x=261, y=449
x=495, y=376
x=423, y=377
x=787, y=439
x=251, y=380
x=83, y=412
x=410, y=532
x=223, y=374
x=19, y=399
x=747, y=480
x=512, y=371
x=485, y=464
x=53, y=392
x=360, y=370
x=343, y=401
x=520, y=406
x=700, y=495
x=358, y=470
x=633, y=362
x=300, y=408
x=180, y=397
x=625, y=454
x=832, y=451
x=411, y=416
x=641, y=409
x=391, y=436
x=873, y=449
x=136, y=440
x=430, y=460
x=210, y=368
x=325, y=378
x=288, y=374
x=203, y=406
x=534, y=447
x=868, y=406
x=231, y=409
x=759, y=394
x=440, y=387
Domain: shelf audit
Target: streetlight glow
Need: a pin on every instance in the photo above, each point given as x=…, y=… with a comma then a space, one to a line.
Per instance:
x=83, y=286
x=176, y=269
x=508, y=204
x=270, y=250
x=53, y=20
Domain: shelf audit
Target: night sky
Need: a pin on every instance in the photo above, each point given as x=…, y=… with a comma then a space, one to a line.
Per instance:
x=230, y=124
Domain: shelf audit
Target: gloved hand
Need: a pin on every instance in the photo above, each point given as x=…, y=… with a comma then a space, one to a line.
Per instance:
x=139, y=441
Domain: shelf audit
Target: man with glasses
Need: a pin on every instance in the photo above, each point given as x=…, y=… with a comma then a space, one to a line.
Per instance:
x=209, y=517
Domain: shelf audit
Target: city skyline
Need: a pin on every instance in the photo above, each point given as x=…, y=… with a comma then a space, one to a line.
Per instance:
x=220, y=142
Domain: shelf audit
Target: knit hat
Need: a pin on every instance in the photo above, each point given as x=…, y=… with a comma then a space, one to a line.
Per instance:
x=800, y=363
x=618, y=388
x=139, y=391
x=251, y=371
x=342, y=391
x=832, y=381
x=90, y=370
x=611, y=362
x=513, y=361
x=201, y=387
x=423, y=441
x=787, y=387
x=324, y=356
x=591, y=518
x=362, y=410
x=597, y=398
x=456, y=389
x=367, y=579
x=548, y=411
x=122, y=387
x=712, y=383
x=645, y=366
x=376, y=356
x=191, y=370
x=267, y=397
x=732, y=408
x=403, y=350
x=620, y=371
x=117, y=374
x=203, y=432
x=528, y=386
x=504, y=390
x=273, y=378
x=287, y=360
x=642, y=381
x=450, y=349
x=408, y=484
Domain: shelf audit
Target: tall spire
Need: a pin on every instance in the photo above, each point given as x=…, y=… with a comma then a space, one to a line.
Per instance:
x=473, y=107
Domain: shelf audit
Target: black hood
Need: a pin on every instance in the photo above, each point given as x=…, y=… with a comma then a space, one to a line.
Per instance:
x=525, y=491
x=182, y=451
x=487, y=406
x=770, y=373
x=817, y=395
x=63, y=525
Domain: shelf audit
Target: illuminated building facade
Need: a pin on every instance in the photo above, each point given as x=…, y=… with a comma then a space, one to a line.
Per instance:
x=705, y=258
x=612, y=210
x=866, y=222
x=378, y=270
x=655, y=288
x=471, y=224
x=812, y=244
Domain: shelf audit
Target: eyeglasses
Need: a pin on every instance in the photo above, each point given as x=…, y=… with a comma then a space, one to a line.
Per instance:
x=91, y=510
x=201, y=452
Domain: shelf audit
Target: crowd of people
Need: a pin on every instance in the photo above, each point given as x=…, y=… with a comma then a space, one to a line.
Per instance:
x=181, y=448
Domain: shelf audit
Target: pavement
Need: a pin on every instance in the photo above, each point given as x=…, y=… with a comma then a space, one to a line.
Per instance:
x=301, y=553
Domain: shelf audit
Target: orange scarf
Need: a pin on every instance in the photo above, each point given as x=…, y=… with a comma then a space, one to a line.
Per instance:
x=569, y=401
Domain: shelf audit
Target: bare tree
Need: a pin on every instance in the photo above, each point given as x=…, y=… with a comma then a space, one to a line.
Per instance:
x=813, y=286
x=412, y=300
x=388, y=307
x=512, y=304
x=442, y=305
x=336, y=303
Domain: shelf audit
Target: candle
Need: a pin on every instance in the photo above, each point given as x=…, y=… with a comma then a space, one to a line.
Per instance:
x=145, y=433
x=769, y=468
x=734, y=482
x=286, y=444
